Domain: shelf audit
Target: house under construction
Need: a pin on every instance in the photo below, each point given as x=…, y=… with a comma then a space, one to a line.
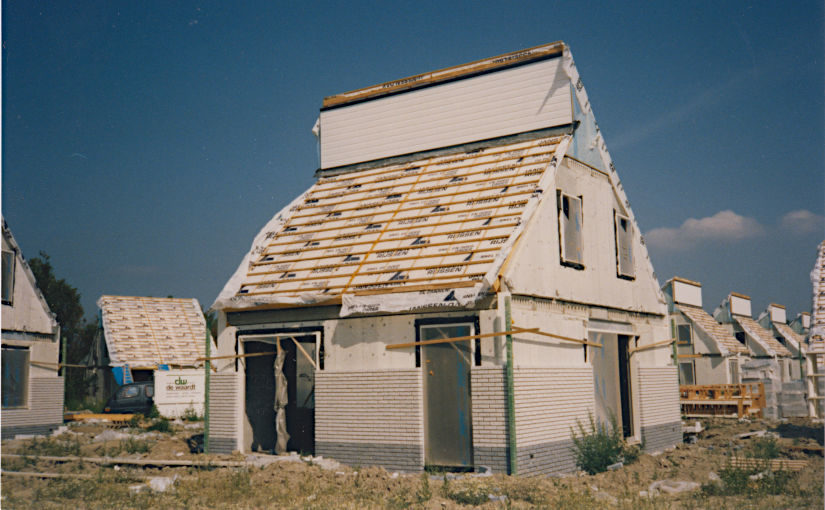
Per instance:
x=708, y=352
x=464, y=281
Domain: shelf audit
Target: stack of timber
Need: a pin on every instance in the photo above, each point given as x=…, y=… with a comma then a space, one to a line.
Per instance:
x=733, y=400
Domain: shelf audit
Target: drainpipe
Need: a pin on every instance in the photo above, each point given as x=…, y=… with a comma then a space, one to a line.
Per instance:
x=208, y=366
x=511, y=401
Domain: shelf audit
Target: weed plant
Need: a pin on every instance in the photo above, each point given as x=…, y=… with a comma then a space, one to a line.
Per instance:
x=764, y=448
x=601, y=446
x=189, y=414
x=50, y=447
x=160, y=424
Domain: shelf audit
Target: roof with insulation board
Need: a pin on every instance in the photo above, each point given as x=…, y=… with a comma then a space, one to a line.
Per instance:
x=795, y=339
x=718, y=333
x=762, y=336
x=427, y=227
x=148, y=331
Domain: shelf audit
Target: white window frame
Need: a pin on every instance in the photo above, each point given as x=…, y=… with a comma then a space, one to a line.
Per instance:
x=624, y=241
x=566, y=230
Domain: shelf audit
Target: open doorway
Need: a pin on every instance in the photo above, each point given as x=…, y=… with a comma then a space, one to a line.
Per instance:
x=611, y=379
x=297, y=374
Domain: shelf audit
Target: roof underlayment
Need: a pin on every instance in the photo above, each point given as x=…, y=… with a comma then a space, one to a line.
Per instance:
x=762, y=336
x=428, y=232
x=725, y=341
x=796, y=340
x=147, y=331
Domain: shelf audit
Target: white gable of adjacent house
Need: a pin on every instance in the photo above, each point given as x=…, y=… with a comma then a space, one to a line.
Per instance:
x=27, y=311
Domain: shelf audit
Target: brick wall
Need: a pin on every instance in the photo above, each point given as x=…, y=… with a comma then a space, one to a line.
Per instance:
x=370, y=418
x=659, y=407
x=489, y=409
x=548, y=403
x=224, y=402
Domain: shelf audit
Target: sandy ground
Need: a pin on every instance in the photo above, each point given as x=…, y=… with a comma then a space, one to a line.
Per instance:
x=292, y=482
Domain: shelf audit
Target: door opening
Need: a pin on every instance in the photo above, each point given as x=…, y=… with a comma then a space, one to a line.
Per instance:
x=262, y=387
x=612, y=379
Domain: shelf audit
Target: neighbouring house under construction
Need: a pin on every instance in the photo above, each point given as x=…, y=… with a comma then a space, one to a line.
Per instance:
x=464, y=281
x=32, y=382
x=708, y=353
x=152, y=339
x=735, y=313
x=774, y=320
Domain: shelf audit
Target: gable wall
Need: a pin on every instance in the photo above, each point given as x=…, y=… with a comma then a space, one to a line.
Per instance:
x=523, y=98
x=536, y=268
x=26, y=313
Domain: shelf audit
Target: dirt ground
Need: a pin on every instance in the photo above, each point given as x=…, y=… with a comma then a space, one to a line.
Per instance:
x=292, y=482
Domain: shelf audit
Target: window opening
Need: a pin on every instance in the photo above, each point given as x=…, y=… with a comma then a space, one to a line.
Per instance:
x=15, y=365
x=686, y=373
x=684, y=336
x=733, y=367
x=8, y=277
x=570, y=230
x=624, y=246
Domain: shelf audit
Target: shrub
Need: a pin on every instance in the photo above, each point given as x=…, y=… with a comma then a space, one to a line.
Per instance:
x=601, y=446
x=154, y=412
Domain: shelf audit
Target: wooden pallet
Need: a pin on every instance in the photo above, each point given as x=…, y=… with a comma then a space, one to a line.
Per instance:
x=772, y=464
x=736, y=400
x=117, y=420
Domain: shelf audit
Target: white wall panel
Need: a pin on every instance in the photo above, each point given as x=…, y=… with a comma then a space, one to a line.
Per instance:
x=524, y=98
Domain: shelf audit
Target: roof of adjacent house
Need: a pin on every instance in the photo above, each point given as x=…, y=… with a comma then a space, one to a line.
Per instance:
x=148, y=331
x=762, y=336
x=726, y=342
x=789, y=334
x=438, y=222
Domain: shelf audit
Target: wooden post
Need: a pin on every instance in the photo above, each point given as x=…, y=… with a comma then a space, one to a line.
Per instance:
x=511, y=400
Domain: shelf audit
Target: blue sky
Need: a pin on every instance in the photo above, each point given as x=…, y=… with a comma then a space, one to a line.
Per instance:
x=144, y=144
